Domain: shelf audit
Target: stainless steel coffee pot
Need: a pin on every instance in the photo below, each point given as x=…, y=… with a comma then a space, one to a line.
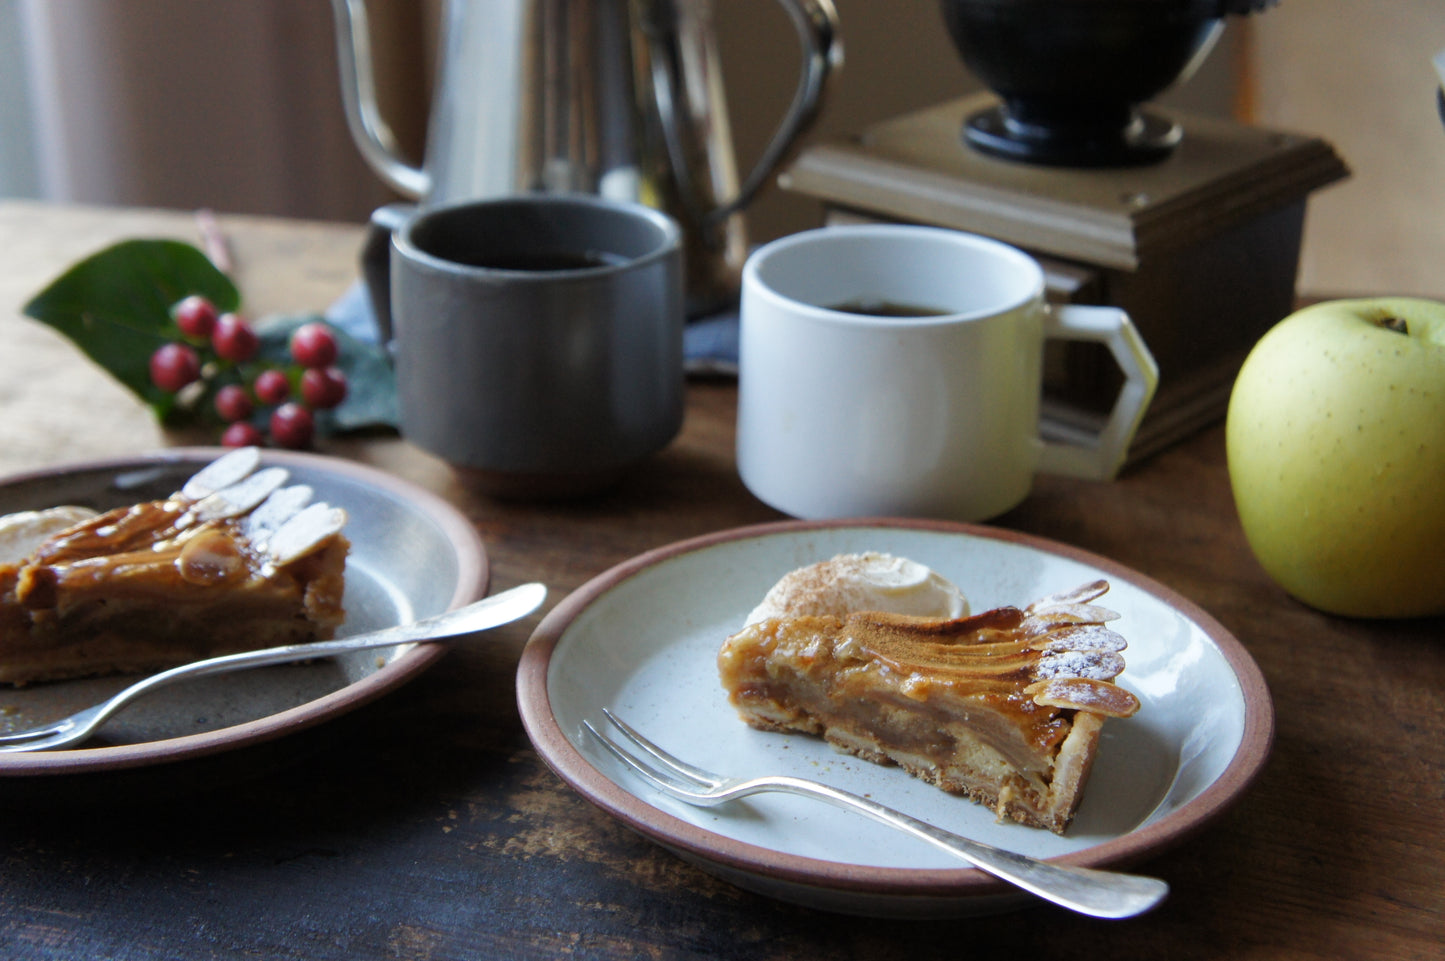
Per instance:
x=619, y=98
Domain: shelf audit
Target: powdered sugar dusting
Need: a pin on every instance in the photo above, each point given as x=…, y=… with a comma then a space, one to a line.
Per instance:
x=1083, y=637
x=1098, y=665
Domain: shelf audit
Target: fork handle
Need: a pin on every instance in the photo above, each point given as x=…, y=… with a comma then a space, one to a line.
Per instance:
x=1100, y=894
x=481, y=615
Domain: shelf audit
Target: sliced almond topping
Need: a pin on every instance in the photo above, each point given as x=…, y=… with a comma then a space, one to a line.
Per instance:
x=222, y=472
x=240, y=497
x=1084, y=694
x=1079, y=595
x=1081, y=637
x=211, y=557
x=1039, y=621
x=274, y=511
x=1100, y=665
x=305, y=532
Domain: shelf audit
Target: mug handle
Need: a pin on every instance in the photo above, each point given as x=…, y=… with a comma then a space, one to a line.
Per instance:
x=1111, y=327
x=376, y=263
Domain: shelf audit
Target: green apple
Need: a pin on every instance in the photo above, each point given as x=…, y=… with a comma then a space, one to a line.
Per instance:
x=1336, y=444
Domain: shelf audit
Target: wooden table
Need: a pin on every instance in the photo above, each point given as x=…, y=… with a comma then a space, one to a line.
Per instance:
x=362, y=839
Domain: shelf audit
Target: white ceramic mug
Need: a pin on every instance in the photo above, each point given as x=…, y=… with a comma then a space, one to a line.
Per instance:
x=931, y=414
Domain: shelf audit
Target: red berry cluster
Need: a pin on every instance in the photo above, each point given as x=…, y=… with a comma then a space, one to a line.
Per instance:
x=220, y=351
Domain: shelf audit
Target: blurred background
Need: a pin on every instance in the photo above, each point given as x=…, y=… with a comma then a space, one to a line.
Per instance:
x=234, y=105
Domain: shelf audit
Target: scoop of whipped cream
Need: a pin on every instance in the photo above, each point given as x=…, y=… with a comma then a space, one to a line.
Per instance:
x=862, y=582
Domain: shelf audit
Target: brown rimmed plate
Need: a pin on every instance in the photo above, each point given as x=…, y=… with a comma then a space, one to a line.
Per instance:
x=412, y=555
x=642, y=639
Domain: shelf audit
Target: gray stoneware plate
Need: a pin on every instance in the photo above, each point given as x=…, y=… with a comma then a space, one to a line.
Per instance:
x=412, y=555
x=643, y=638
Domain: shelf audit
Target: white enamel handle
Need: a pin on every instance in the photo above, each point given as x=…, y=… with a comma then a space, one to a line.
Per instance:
x=1111, y=327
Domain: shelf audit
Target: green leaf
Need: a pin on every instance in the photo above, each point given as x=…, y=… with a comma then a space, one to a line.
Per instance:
x=116, y=306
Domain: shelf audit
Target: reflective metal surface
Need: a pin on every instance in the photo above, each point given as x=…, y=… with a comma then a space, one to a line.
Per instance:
x=609, y=97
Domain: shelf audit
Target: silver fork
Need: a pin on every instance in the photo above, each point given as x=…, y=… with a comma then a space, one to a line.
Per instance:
x=1100, y=894
x=480, y=615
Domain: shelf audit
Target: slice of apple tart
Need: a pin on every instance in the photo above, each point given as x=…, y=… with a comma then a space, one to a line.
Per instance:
x=235, y=560
x=1004, y=706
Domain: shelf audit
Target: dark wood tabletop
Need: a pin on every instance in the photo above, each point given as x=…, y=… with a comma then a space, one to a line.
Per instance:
x=425, y=826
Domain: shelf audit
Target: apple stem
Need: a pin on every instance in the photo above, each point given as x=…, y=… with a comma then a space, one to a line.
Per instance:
x=1397, y=324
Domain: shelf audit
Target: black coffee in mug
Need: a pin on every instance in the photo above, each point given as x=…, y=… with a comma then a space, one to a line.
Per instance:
x=513, y=237
x=886, y=308
x=539, y=260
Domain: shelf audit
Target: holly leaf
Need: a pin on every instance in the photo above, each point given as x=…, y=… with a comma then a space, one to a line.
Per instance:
x=370, y=380
x=115, y=306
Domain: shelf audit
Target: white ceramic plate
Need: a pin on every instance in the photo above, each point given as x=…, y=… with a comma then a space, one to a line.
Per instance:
x=412, y=555
x=642, y=639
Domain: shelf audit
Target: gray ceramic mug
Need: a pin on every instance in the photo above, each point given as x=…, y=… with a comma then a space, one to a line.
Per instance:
x=538, y=339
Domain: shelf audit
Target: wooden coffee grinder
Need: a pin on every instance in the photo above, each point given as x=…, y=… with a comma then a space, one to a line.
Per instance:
x=1190, y=224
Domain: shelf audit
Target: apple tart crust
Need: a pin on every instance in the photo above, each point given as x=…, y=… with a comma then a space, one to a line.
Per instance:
x=1004, y=707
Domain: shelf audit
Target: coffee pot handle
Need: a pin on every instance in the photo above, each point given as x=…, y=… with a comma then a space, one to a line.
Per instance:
x=373, y=135
x=816, y=22
x=1101, y=458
